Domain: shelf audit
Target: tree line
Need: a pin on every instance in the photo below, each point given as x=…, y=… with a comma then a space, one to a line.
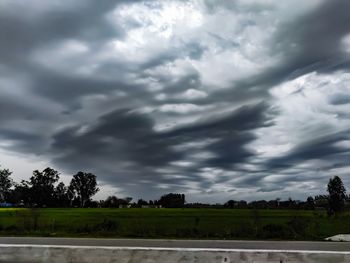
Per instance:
x=334, y=202
x=44, y=190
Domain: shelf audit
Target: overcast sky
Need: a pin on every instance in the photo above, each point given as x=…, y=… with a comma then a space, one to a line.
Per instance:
x=241, y=99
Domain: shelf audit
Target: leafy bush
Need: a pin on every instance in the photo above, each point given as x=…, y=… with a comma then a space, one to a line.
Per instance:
x=276, y=231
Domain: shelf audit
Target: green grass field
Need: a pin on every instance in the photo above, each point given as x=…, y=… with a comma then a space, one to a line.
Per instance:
x=173, y=223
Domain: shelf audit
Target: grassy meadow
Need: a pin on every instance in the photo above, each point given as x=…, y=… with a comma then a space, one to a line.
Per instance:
x=172, y=223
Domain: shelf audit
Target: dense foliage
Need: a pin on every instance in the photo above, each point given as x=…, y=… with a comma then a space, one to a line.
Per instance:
x=44, y=190
x=337, y=195
x=5, y=184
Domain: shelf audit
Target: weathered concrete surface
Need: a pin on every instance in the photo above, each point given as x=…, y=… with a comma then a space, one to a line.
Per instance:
x=341, y=237
x=60, y=254
x=177, y=243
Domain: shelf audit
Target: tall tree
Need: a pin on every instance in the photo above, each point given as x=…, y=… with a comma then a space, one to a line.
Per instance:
x=172, y=200
x=61, y=195
x=85, y=186
x=310, y=202
x=71, y=195
x=337, y=194
x=43, y=186
x=5, y=183
x=111, y=201
x=21, y=194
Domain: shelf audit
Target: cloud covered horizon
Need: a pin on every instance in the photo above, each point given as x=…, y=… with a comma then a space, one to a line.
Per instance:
x=219, y=100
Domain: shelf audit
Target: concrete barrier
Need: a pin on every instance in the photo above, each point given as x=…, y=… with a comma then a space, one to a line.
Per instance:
x=82, y=254
x=341, y=237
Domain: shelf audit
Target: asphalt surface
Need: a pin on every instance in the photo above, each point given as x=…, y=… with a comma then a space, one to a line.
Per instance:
x=162, y=243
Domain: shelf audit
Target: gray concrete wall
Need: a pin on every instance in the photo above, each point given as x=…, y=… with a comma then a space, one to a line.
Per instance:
x=58, y=254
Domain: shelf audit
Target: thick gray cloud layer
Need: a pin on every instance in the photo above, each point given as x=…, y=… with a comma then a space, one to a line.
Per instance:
x=217, y=99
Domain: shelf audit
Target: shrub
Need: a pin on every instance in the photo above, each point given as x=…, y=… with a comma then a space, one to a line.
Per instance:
x=276, y=231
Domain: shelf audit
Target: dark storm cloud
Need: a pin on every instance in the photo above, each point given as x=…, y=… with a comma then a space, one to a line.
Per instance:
x=70, y=89
x=310, y=43
x=231, y=132
x=11, y=109
x=106, y=120
x=24, y=31
x=22, y=34
x=20, y=136
x=24, y=140
x=231, y=150
x=313, y=42
x=84, y=21
x=244, y=118
x=328, y=147
x=339, y=99
x=121, y=134
x=129, y=137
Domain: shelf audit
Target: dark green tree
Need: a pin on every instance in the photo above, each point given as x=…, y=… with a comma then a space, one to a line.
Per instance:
x=84, y=186
x=230, y=204
x=21, y=194
x=62, y=198
x=310, y=203
x=172, y=200
x=71, y=195
x=337, y=194
x=111, y=201
x=42, y=187
x=5, y=183
x=141, y=202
